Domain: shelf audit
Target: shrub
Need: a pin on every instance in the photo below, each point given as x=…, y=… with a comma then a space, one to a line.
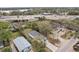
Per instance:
x=6, y=49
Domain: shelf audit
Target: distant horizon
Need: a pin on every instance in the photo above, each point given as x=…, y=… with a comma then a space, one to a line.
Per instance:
x=16, y=8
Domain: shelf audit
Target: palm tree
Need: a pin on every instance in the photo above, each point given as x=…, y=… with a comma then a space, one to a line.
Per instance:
x=5, y=33
x=5, y=36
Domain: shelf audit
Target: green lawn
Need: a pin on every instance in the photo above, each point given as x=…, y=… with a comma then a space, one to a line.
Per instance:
x=6, y=49
x=15, y=34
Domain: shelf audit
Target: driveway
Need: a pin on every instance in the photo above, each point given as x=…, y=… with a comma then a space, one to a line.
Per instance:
x=50, y=46
x=66, y=47
x=13, y=47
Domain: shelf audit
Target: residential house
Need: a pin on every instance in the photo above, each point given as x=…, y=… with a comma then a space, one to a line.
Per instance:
x=22, y=45
x=36, y=35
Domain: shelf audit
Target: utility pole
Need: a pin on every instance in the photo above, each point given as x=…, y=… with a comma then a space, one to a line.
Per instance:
x=18, y=16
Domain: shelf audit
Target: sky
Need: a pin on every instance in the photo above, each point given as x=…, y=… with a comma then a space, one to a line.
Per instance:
x=39, y=3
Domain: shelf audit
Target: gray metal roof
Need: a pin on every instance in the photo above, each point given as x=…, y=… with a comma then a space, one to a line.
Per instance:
x=21, y=43
x=34, y=33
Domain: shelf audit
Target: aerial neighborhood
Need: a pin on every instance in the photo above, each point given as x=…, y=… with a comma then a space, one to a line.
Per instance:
x=54, y=29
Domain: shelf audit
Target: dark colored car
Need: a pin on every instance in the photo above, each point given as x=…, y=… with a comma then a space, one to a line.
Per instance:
x=76, y=46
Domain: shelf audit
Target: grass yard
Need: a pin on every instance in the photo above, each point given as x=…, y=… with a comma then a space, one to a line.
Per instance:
x=6, y=49
x=15, y=34
x=25, y=32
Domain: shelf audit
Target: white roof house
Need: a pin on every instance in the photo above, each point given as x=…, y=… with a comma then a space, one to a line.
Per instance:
x=22, y=44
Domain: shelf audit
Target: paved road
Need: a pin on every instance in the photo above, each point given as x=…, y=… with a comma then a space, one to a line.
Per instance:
x=67, y=45
x=33, y=17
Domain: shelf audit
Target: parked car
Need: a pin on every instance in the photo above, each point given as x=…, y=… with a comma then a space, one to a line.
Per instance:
x=76, y=46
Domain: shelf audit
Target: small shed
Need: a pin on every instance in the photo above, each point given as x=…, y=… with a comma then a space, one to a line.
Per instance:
x=22, y=44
